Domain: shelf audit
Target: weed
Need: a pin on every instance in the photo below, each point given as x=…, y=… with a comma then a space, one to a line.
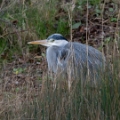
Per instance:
x=21, y=97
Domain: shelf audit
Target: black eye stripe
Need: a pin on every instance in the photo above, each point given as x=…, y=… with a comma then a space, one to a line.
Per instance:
x=56, y=37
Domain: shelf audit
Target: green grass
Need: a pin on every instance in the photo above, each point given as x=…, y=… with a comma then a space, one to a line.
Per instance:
x=47, y=102
x=33, y=21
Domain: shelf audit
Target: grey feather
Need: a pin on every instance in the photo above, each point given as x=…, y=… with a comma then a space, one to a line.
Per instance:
x=74, y=57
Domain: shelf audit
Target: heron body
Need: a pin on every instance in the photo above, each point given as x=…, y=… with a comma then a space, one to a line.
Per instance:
x=72, y=58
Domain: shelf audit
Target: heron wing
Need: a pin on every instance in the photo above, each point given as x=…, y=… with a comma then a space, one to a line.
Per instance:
x=83, y=54
x=81, y=58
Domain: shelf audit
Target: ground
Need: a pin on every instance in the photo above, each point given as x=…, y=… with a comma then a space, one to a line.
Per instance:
x=25, y=73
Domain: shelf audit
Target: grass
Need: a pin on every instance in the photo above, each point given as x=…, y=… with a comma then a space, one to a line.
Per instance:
x=27, y=22
x=59, y=103
x=36, y=98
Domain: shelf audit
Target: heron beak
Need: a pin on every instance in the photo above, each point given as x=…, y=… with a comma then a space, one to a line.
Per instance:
x=40, y=42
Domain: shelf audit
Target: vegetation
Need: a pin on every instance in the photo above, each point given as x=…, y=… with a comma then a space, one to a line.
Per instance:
x=26, y=90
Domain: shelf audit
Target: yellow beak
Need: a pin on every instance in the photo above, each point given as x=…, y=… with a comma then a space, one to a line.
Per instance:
x=40, y=42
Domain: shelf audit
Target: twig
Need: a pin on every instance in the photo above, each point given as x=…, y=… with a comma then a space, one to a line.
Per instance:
x=1, y=36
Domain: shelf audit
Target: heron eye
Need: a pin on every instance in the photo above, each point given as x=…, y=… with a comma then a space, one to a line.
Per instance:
x=52, y=40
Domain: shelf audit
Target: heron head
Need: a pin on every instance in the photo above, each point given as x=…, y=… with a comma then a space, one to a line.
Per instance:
x=53, y=40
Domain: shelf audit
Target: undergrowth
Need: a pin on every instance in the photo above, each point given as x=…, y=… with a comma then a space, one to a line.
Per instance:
x=23, y=21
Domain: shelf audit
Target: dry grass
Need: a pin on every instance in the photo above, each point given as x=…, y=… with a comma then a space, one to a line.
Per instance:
x=26, y=93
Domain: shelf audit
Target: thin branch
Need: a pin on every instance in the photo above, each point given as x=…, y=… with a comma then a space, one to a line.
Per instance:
x=1, y=36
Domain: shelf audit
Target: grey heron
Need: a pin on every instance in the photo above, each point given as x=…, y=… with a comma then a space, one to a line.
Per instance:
x=71, y=57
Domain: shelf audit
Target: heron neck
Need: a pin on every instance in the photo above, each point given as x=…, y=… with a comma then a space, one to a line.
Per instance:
x=62, y=44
